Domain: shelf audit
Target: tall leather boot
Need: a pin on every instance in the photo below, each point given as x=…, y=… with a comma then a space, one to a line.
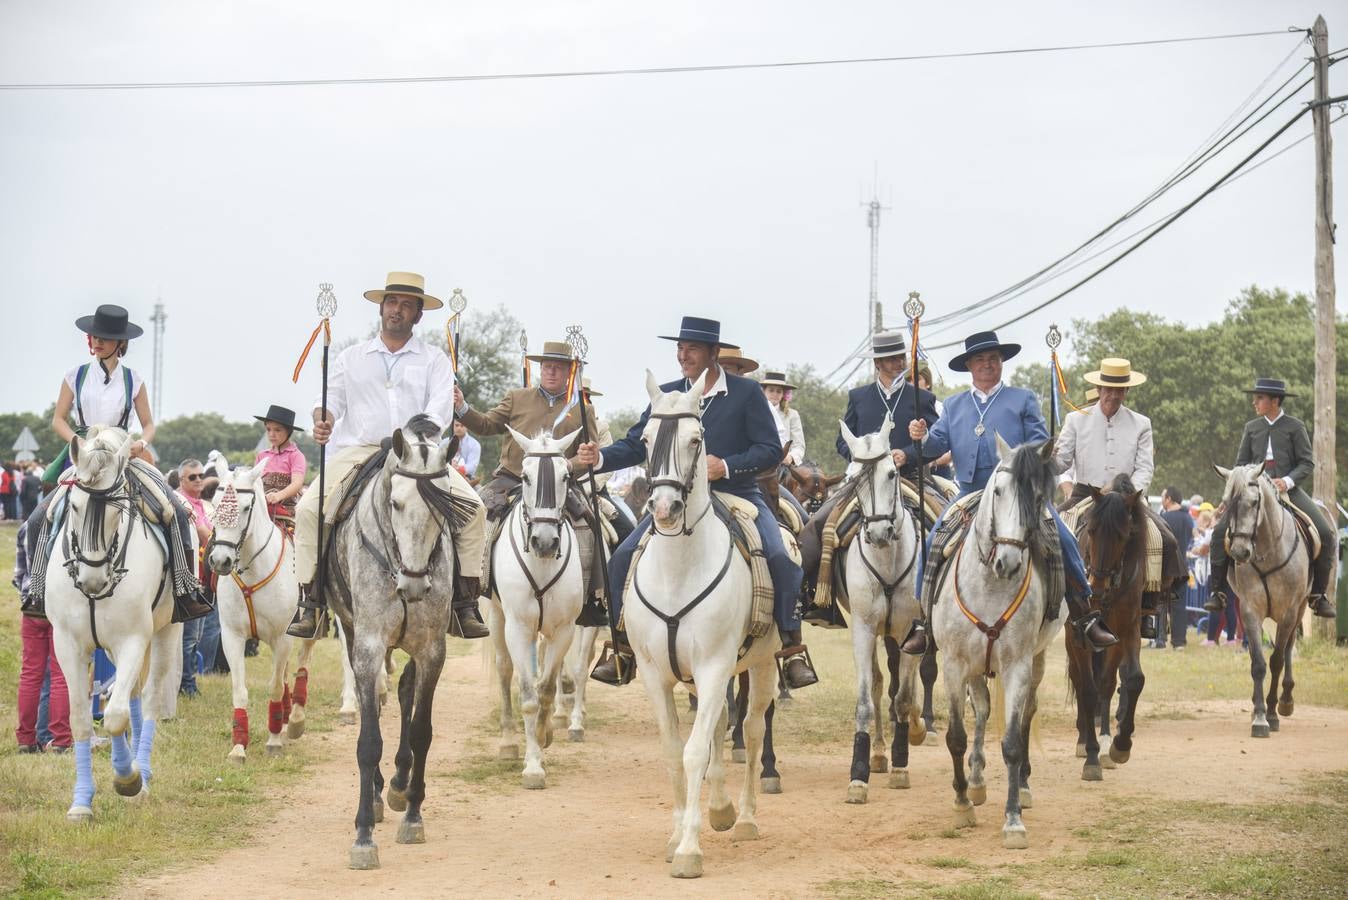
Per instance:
x=617, y=664
x=1087, y=621
x=824, y=616
x=1217, y=581
x=796, y=669
x=915, y=644
x=310, y=615
x=1150, y=599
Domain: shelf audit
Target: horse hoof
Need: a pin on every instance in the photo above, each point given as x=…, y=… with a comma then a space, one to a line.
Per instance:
x=737, y=755
x=363, y=858
x=1285, y=707
x=1081, y=751
x=670, y=847
x=1259, y=731
x=1107, y=761
x=535, y=781
x=129, y=785
x=1119, y=756
x=1092, y=773
x=378, y=809
x=576, y=735
x=857, y=792
x=686, y=865
x=964, y=816
x=1026, y=798
x=744, y=831
x=722, y=818
x=1015, y=838
x=411, y=832
x=1273, y=724
x=397, y=800
x=898, y=780
x=237, y=754
x=931, y=740
x=79, y=814
x=275, y=749
x=917, y=735
x=978, y=794
x=879, y=764
x=770, y=785
x=508, y=751
x=347, y=717
x=295, y=730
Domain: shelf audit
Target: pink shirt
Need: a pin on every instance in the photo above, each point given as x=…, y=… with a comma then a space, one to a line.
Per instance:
x=287, y=461
x=198, y=507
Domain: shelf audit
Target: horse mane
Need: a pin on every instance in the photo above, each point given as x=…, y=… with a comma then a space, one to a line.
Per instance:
x=1110, y=517
x=664, y=443
x=423, y=426
x=1034, y=483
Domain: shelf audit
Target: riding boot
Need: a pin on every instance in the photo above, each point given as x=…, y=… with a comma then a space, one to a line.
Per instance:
x=191, y=605
x=1148, y=623
x=310, y=615
x=796, y=669
x=617, y=664
x=1217, y=600
x=1087, y=621
x=593, y=614
x=1323, y=566
x=915, y=643
x=465, y=621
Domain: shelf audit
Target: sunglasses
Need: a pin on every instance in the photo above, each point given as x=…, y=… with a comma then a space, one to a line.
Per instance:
x=197, y=477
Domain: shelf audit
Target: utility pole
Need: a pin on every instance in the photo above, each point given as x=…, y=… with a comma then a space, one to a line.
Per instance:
x=1323, y=445
x=157, y=383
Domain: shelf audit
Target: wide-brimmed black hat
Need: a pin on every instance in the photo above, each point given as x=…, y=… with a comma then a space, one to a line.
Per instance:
x=705, y=331
x=281, y=416
x=110, y=322
x=982, y=342
x=1274, y=387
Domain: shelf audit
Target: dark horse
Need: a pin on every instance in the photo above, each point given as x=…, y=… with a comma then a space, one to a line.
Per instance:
x=1113, y=538
x=809, y=484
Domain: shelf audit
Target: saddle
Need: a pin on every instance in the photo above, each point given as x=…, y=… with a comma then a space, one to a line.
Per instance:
x=1075, y=519
x=1305, y=525
x=581, y=524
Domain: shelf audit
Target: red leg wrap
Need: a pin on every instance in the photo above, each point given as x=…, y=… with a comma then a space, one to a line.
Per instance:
x=285, y=703
x=241, y=726
x=301, y=692
x=275, y=716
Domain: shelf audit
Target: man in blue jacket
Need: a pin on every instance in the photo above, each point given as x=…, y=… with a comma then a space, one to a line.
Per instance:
x=968, y=429
x=741, y=442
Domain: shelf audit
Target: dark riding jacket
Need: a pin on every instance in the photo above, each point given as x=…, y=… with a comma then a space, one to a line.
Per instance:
x=1291, y=447
x=866, y=413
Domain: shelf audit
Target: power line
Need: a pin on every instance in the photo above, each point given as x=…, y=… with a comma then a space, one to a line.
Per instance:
x=593, y=73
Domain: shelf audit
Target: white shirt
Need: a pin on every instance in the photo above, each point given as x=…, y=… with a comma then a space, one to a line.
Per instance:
x=103, y=404
x=1099, y=448
x=1268, y=451
x=984, y=395
x=373, y=391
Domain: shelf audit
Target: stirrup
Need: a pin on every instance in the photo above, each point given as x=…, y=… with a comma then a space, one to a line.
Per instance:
x=1216, y=602
x=1320, y=606
x=1147, y=626
x=301, y=626
x=621, y=661
x=918, y=632
x=1091, y=619
x=785, y=655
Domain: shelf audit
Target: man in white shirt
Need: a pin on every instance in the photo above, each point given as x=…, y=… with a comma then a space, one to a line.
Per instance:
x=374, y=388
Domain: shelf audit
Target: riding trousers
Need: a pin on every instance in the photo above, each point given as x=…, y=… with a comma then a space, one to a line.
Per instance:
x=786, y=574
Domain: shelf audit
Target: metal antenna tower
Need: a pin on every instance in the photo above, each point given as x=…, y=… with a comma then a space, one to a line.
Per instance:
x=874, y=313
x=157, y=382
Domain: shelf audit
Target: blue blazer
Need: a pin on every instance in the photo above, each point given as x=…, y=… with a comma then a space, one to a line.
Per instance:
x=1014, y=415
x=737, y=426
x=866, y=412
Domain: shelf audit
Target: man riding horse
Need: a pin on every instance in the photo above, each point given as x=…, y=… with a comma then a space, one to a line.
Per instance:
x=741, y=442
x=374, y=387
x=1281, y=442
x=1108, y=439
x=969, y=429
x=530, y=411
x=890, y=396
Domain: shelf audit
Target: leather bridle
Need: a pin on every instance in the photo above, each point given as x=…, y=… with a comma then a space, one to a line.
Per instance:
x=664, y=472
x=114, y=558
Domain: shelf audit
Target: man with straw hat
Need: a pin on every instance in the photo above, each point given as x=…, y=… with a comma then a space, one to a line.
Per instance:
x=374, y=388
x=733, y=360
x=1280, y=441
x=1106, y=440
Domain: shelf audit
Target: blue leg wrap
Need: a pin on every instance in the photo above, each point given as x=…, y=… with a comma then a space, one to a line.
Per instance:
x=121, y=756
x=143, y=749
x=136, y=720
x=84, y=775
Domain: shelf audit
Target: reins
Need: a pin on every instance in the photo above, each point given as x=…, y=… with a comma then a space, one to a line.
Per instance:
x=868, y=474
x=538, y=590
x=239, y=569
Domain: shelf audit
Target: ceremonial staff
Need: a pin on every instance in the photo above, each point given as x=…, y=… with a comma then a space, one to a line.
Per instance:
x=327, y=308
x=1053, y=339
x=457, y=303
x=914, y=309
x=580, y=348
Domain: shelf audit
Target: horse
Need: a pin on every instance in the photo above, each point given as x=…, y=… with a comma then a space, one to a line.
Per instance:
x=880, y=569
x=117, y=597
x=1270, y=572
x=988, y=617
x=810, y=485
x=256, y=596
x=389, y=579
x=1113, y=538
x=538, y=580
x=689, y=621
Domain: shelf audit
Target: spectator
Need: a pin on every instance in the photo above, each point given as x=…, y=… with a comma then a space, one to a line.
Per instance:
x=200, y=635
x=470, y=452
x=9, y=491
x=30, y=493
x=283, y=476
x=39, y=664
x=1182, y=527
x=1202, y=568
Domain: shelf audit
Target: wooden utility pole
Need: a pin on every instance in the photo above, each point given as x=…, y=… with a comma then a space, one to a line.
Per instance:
x=1325, y=375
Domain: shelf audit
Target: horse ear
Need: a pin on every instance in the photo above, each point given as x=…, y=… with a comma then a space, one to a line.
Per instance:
x=567, y=440
x=653, y=387
x=1096, y=493
x=399, y=443
x=848, y=437
x=885, y=429
x=700, y=385
x=1135, y=498
x=1003, y=448
x=257, y=471
x=1225, y=473
x=1046, y=451
x=75, y=443
x=520, y=439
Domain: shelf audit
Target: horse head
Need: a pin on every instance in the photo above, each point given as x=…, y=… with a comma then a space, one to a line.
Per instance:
x=419, y=510
x=877, y=482
x=545, y=474
x=1247, y=492
x=1110, y=528
x=95, y=507
x=239, y=500
x=1013, y=501
x=674, y=452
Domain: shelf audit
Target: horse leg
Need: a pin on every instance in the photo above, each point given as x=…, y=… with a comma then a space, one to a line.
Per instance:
x=762, y=677
x=737, y=750
x=233, y=644
x=412, y=830
x=863, y=655
x=957, y=742
x=981, y=700
x=720, y=811
x=880, y=712
x=520, y=639
x=696, y=755
x=555, y=649
x=928, y=672
x=75, y=664
x=667, y=717
x=909, y=729
x=580, y=658
x=295, y=722
x=346, y=714
x=132, y=661
x=368, y=666
x=165, y=650
x=770, y=780
x=1017, y=687
x=403, y=758
x=1276, y=660
x=1083, y=685
x=508, y=746
x=1106, y=681
x=1031, y=707
x=1285, y=704
x=1259, y=725
x=1133, y=681
x=280, y=659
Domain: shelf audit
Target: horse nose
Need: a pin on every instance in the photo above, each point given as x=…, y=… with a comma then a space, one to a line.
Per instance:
x=544, y=546
x=412, y=588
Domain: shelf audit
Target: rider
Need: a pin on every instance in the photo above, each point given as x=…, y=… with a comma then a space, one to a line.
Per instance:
x=733, y=360
x=531, y=411
x=969, y=430
x=1281, y=442
x=283, y=474
x=789, y=430
x=741, y=441
x=890, y=396
x=1108, y=439
x=374, y=388
x=105, y=392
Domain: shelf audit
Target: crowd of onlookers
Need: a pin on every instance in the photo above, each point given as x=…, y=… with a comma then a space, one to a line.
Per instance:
x=20, y=489
x=1192, y=521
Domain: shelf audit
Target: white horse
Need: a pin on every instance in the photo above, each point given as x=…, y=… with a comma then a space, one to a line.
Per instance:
x=881, y=571
x=256, y=596
x=115, y=593
x=537, y=567
x=688, y=616
x=989, y=618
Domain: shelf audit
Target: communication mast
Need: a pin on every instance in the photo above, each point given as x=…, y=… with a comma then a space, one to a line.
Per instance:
x=157, y=379
x=874, y=313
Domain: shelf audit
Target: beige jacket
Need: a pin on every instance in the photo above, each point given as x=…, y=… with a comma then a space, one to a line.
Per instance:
x=527, y=411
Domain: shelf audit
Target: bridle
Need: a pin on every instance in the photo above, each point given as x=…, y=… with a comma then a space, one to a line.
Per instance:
x=1254, y=519
x=237, y=546
x=391, y=558
x=114, y=558
x=1022, y=546
x=868, y=474
x=664, y=470
x=546, y=496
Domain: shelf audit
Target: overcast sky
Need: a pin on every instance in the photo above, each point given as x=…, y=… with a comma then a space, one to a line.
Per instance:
x=618, y=203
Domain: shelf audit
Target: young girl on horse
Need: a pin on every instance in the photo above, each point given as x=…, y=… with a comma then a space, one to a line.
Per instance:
x=283, y=477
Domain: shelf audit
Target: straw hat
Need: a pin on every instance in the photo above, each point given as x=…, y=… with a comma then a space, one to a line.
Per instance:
x=776, y=379
x=585, y=384
x=553, y=351
x=1115, y=372
x=733, y=356
x=885, y=343
x=409, y=283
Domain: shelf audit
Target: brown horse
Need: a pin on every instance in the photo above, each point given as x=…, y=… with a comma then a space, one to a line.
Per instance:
x=809, y=483
x=1113, y=537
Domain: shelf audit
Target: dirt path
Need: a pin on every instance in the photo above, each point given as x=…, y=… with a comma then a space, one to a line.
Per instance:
x=600, y=827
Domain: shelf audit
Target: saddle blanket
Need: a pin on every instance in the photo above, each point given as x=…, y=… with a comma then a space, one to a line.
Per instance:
x=1075, y=519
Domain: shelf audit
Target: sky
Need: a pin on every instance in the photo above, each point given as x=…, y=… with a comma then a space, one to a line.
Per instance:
x=617, y=203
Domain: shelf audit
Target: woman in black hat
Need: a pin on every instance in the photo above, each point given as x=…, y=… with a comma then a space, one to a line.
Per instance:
x=283, y=476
